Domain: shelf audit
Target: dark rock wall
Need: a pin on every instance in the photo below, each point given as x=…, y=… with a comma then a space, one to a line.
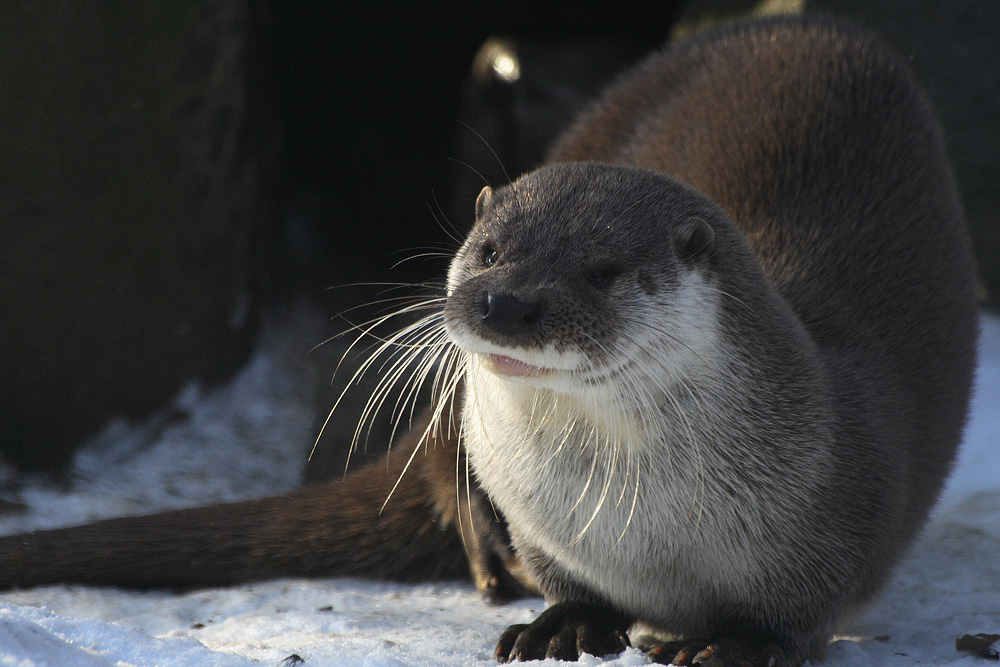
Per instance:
x=134, y=185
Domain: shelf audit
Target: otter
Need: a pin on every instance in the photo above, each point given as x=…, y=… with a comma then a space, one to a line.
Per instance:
x=704, y=371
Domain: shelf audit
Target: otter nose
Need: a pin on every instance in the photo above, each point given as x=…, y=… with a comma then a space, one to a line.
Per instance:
x=510, y=315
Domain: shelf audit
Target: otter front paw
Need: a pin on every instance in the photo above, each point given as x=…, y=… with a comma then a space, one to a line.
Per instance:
x=722, y=652
x=564, y=631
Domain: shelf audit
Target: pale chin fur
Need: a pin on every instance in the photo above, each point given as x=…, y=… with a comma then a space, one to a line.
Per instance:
x=543, y=368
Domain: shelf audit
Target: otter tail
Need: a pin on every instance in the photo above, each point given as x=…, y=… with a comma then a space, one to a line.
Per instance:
x=337, y=528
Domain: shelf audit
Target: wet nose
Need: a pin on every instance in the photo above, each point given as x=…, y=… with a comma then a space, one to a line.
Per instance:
x=510, y=315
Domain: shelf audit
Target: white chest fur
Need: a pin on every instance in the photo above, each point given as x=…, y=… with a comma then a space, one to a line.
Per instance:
x=619, y=506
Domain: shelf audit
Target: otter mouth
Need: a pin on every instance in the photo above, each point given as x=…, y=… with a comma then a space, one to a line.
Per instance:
x=510, y=367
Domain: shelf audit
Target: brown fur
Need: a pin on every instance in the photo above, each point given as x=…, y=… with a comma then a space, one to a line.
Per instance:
x=340, y=522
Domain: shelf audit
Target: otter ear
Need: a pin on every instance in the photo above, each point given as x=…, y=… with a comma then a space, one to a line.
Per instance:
x=483, y=200
x=694, y=240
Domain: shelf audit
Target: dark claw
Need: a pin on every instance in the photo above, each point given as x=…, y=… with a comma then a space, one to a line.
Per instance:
x=531, y=644
x=722, y=652
x=565, y=646
x=506, y=642
x=602, y=643
x=680, y=653
x=564, y=631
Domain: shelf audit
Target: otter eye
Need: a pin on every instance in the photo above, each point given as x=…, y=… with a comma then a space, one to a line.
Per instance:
x=602, y=277
x=489, y=255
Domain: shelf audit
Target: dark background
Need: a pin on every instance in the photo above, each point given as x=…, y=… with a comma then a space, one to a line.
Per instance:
x=173, y=174
x=370, y=96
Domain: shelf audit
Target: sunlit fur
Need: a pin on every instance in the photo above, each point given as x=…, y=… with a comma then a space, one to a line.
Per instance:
x=747, y=428
x=607, y=402
x=600, y=425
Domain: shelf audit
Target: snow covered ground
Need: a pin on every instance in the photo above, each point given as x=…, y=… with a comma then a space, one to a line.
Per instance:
x=247, y=439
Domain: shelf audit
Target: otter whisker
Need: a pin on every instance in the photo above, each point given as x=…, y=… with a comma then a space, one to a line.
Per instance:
x=424, y=349
x=450, y=230
x=668, y=392
x=400, y=340
x=432, y=253
x=584, y=441
x=444, y=387
x=354, y=379
x=566, y=432
x=470, y=168
x=436, y=413
x=489, y=147
x=621, y=413
x=364, y=330
x=405, y=347
x=730, y=296
x=367, y=328
x=417, y=379
x=608, y=476
x=410, y=369
x=458, y=496
x=405, y=355
x=667, y=335
x=642, y=393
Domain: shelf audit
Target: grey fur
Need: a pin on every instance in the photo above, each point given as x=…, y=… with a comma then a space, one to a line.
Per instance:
x=741, y=431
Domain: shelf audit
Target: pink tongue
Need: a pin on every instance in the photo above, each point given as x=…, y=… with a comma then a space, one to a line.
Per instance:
x=507, y=366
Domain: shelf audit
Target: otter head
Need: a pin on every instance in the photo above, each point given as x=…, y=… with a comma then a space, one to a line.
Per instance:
x=576, y=271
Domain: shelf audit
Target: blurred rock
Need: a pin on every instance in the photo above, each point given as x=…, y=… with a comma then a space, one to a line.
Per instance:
x=136, y=147
x=519, y=96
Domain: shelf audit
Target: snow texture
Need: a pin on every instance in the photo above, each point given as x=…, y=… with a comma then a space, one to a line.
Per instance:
x=246, y=439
